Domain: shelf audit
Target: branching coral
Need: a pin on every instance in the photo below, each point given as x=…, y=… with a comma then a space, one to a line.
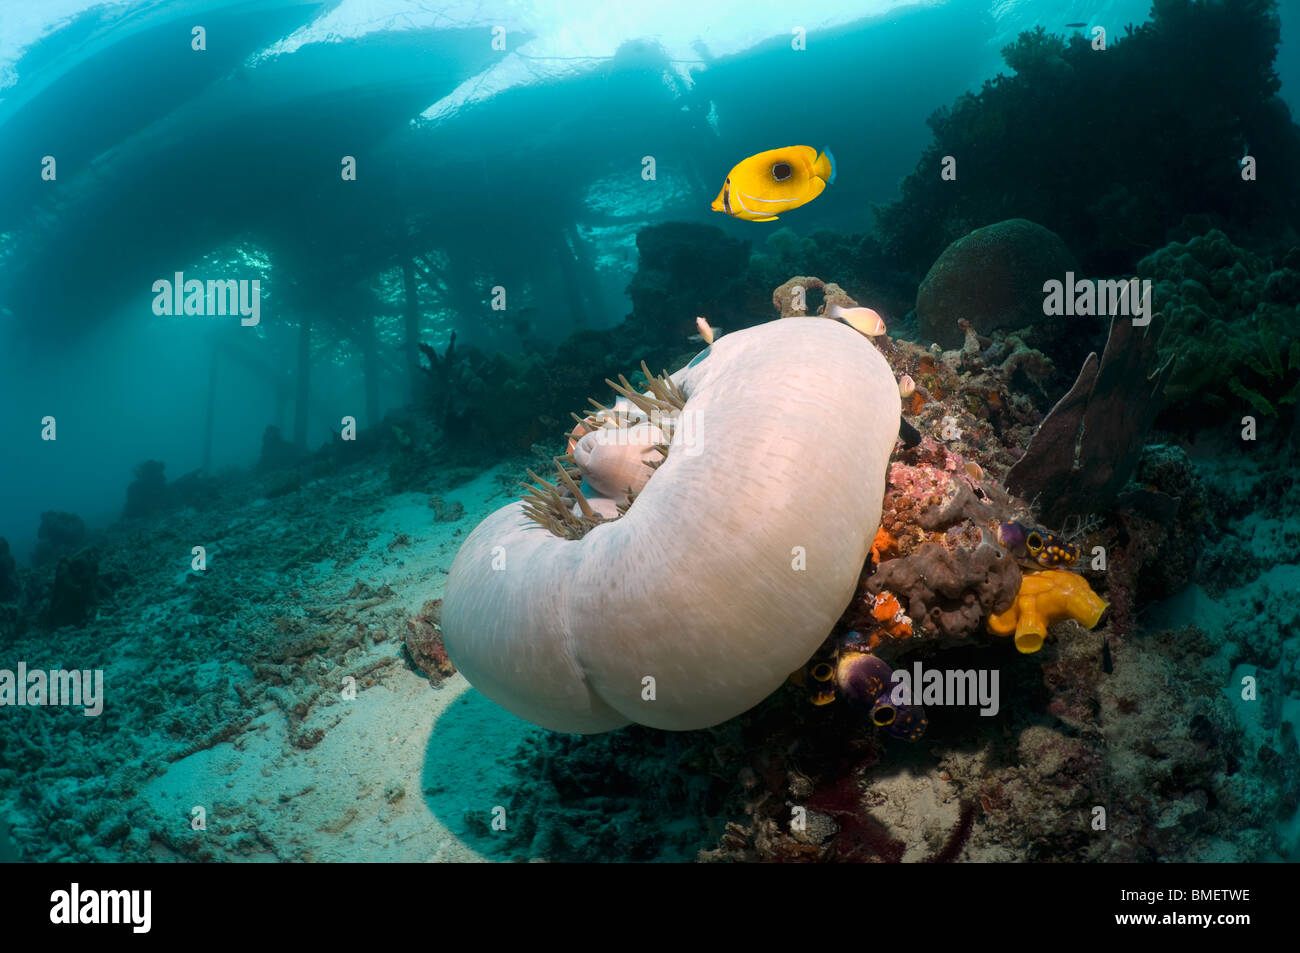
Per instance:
x=1045, y=598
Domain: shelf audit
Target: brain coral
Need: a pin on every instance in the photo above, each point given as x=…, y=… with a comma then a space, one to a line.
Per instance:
x=992, y=278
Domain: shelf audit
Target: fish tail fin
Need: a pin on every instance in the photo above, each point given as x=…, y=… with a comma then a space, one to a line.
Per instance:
x=824, y=167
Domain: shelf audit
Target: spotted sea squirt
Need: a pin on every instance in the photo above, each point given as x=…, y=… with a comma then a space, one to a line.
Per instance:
x=726, y=571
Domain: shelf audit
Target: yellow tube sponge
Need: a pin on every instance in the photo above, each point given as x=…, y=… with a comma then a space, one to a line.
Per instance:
x=1045, y=598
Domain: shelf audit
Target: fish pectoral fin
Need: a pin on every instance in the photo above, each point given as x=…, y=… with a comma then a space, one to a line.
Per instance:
x=816, y=186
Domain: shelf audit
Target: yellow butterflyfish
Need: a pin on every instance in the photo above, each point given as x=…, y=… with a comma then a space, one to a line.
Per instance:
x=775, y=181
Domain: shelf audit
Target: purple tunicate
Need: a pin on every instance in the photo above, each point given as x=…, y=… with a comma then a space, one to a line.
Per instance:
x=861, y=677
x=909, y=722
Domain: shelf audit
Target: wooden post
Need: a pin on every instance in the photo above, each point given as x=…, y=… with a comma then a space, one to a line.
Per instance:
x=370, y=368
x=572, y=280
x=303, y=382
x=211, y=412
x=412, y=328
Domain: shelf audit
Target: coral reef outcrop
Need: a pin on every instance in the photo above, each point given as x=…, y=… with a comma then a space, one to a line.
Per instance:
x=277, y=452
x=59, y=534
x=685, y=270
x=9, y=583
x=991, y=278
x=75, y=591
x=147, y=493
x=1017, y=139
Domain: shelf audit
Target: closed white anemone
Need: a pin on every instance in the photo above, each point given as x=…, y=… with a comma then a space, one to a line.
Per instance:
x=727, y=571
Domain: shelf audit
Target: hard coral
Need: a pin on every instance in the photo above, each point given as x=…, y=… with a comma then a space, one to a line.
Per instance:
x=1045, y=598
x=992, y=278
x=1231, y=323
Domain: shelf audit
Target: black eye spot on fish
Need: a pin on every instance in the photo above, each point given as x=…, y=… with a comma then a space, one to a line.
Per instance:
x=782, y=171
